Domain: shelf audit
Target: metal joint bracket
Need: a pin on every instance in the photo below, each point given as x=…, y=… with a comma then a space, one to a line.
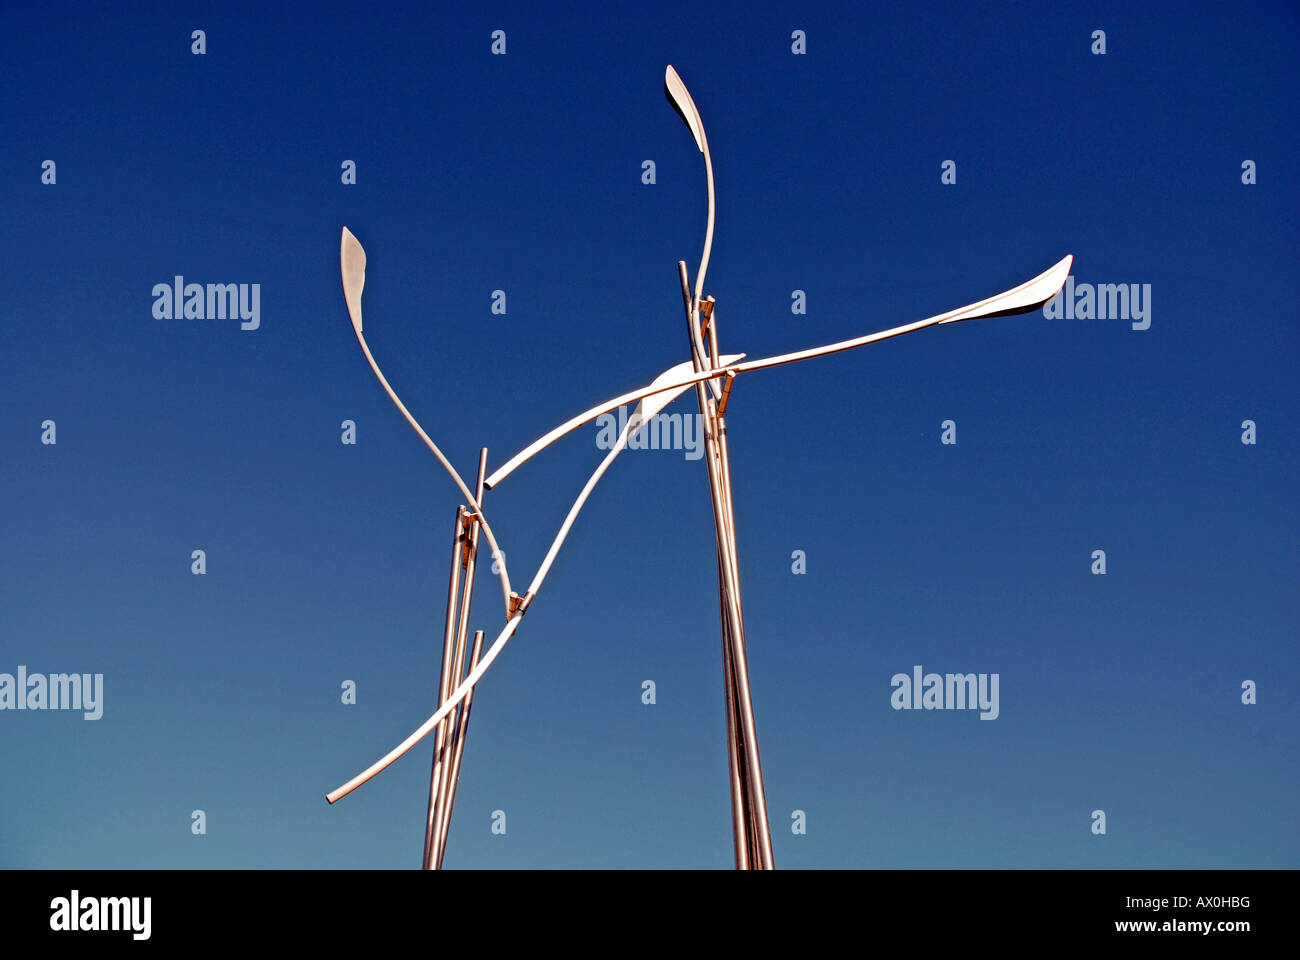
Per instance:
x=469, y=524
x=706, y=312
x=726, y=392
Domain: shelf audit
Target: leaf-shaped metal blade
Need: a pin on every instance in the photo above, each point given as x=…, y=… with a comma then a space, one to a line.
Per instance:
x=681, y=100
x=352, y=260
x=1030, y=295
x=651, y=406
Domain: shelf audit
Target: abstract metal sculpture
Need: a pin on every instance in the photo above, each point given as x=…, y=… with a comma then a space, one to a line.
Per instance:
x=713, y=377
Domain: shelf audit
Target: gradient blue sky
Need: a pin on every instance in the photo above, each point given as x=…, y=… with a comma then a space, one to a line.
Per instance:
x=328, y=562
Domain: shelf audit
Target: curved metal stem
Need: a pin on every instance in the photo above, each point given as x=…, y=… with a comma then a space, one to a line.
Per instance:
x=433, y=447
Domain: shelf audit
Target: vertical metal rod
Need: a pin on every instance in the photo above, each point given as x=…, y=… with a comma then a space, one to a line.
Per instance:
x=759, y=830
x=744, y=827
x=733, y=626
x=739, y=797
x=740, y=816
x=735, y=720
x=755, y=830
x=740, y=663
x=441, y=818
x=448, y=745
x=444, y=682
x=461, y=734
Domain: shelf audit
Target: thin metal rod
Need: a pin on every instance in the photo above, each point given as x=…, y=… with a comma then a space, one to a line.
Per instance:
x=740, y=664
x=444, y=681
x=448, y=746
x=740, y=816
x=756, y=824
x=461, y=734
x=744, y=735
x=439, y=841
x=760, y=833
x=754, y=830
x=739, y=796
x=741, y=801
x=736, y=725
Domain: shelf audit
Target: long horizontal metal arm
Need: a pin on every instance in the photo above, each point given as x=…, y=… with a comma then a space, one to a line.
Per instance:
x=1028, y=296
x=669, y=385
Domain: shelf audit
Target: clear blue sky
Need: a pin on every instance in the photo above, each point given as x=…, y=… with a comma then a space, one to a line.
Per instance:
x=523, y=173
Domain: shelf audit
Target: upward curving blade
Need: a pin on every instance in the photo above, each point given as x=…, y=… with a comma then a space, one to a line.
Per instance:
x=681, y=100
x=352, y=259
x=1030, y=295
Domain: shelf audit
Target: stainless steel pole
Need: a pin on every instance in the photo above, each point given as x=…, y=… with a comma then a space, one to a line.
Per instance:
x=461, y=734
x=450, y=747
x=444, y=682
x=752, y=832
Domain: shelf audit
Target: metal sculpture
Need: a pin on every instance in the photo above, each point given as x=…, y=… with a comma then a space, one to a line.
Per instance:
x=713, y=376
